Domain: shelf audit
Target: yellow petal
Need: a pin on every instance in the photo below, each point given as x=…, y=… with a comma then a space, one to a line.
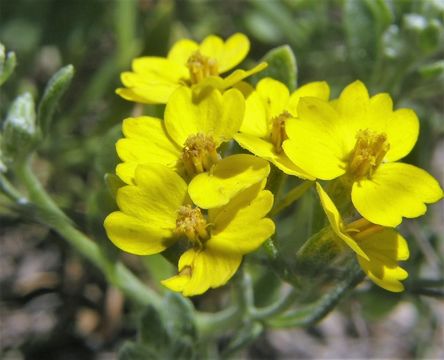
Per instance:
x=220, y=83
x=147, y=89
x=317, y=89
x=218, y=115
x=228, y=54
x=314, y=142
x=126, y=171
x=240, y=226
x=156, y=197
x=274, y=95
x=336, y=222
x=239, y=75
x=153, y=79
x=387, y=245
x=159, y=69
x=128, y=94
x=265, y=150
x=402, y=133
x=136, y=236
x=395, y=190
x=353, y=100
x=200, y=270
x=227, y=178
x=255, y=120
x=146, y=141
x=383, y=275
x=155, y=93
x=182, y=50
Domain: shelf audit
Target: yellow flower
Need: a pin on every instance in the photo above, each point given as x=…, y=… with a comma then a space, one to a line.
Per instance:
x=359, y=139
x=156, y=211
x=188, y=143
x=154, y=79
x=268, y=109
x=378, y=248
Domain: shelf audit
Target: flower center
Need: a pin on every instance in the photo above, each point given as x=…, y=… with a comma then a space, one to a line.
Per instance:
x=191, y=223
x=368, y=153
x=201, y=66
x=362, y=228
x=199, y=154
x=278, y=134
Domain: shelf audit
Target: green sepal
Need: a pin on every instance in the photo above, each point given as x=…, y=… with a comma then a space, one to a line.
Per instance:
x=8, y=62
x=56, y=87
x=20, y=134
x=318, y=252
x=282, y=66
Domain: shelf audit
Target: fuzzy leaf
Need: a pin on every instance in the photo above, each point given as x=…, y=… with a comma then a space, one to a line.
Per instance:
x=282, y=66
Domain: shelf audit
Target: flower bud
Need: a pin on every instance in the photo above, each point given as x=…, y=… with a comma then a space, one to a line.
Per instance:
x=20, y=134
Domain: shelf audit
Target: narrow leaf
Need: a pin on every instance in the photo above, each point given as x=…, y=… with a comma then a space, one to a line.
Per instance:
x=54, y=90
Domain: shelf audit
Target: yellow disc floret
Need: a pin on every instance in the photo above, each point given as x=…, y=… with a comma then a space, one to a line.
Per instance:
x=278, y=134
x=191, y=223
x=201, y=67
x=368, y=153
x=199, y=154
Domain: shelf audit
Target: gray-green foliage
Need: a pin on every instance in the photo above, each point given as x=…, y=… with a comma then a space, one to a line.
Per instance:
x=56, y=87
x=169, y=333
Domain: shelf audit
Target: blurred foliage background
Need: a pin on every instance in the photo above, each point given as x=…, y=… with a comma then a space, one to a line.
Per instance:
x=56, y=306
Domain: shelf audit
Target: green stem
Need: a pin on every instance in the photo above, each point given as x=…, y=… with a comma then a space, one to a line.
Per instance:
x=244, y=292
x=211, y=324
x=36, y=192
x=293, y=195
x=115, y=272
x=278, y=307
x=309, y=316
x=10, y=191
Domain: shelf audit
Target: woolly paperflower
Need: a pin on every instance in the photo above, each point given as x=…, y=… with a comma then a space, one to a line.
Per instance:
x=188, y=63
x=268, y=108
x=378, y=248
x=360, y=138
x=156, y=211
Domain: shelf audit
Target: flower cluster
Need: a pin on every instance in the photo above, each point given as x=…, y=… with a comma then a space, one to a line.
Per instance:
x=185, y=180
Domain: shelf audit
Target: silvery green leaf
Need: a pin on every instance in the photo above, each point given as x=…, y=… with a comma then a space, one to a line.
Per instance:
x=282, y=66
x=54, y=90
